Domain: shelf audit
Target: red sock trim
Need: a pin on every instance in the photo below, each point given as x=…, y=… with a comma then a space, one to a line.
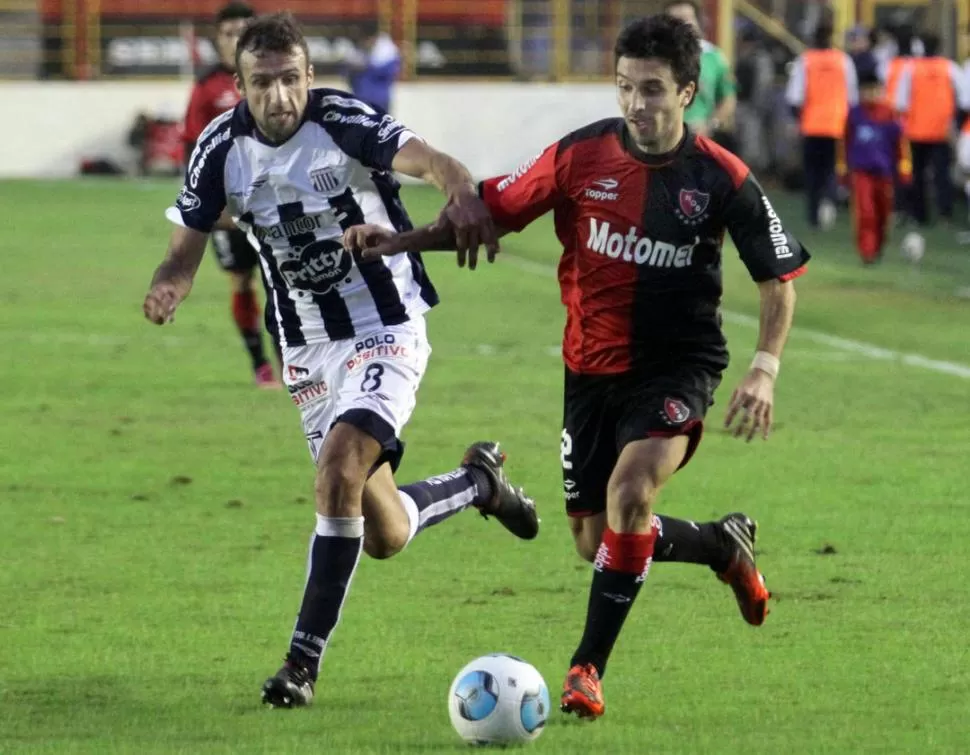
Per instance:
x=245, y=310
x=626, y=552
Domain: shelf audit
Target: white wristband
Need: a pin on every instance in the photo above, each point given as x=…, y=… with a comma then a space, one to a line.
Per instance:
x=766, y=363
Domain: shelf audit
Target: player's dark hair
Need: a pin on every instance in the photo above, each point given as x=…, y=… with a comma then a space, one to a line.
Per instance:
x=234, y=11
x=277, y=32
x=666, y=38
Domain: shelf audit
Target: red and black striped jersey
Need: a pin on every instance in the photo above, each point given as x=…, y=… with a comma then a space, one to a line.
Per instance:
x=640, y=273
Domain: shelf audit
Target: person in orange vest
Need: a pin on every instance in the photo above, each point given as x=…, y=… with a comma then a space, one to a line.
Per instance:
x=821, y=89
x=876, y=154
x=932, y=95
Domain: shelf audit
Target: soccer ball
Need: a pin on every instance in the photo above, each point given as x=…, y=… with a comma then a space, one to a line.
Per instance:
x=914, y=246
x=498, y=699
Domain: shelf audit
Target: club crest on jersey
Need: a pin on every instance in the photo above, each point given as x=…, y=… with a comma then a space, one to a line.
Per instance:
x=676, y=411
x=692, y=204
x=325, y=180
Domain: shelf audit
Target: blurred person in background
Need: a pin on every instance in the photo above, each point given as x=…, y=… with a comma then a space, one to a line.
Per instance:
x=712, y=111
x=933, y=96
x=884, y=48
x=214, y=93
x=821, y=88
x=876, y=154
x=754, y=74
x=373, y=70
x=858, y=43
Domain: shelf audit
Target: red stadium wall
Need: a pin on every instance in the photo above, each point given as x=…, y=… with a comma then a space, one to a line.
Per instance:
x=480, y=12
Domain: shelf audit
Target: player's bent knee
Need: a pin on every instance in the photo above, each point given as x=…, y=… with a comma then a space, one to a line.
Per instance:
x=383, y=543
x=629, y=502
x=338, y=489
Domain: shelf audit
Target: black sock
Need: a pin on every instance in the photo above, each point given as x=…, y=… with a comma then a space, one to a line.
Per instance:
x=431, y=501
x=691, y=543
x=254, y=345
x=334, y=553
x=245, y=313
x=621, y=566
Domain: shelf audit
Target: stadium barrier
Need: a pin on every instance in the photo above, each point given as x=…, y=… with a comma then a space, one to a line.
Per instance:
x=491, y=126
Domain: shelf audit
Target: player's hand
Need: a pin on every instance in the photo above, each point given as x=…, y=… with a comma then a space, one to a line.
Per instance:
x=160, y=303
x=360, y=238
x=473, y=225
x=752, y=404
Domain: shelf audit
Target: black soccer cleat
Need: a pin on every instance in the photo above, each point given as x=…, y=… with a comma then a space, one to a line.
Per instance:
x=291, y=687
x=742, y=572
x=511, y=506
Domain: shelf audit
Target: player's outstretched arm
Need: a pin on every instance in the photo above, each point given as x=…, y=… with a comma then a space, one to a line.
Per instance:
x=374, y=241
x=173, y=278
x=752, y=402
x=465, y=211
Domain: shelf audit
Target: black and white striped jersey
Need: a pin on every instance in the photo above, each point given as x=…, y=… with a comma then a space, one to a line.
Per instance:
x=295, y=200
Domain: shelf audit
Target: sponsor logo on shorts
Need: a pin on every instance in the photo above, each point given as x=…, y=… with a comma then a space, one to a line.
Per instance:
x=308, y=392
x=295, y=372
x=675, y=411
x=383, y=346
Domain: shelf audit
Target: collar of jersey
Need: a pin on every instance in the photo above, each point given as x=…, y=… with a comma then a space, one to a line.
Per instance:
x=655, y=161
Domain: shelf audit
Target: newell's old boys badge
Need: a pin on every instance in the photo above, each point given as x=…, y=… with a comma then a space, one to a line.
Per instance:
x=676, y=411
x=692, y=204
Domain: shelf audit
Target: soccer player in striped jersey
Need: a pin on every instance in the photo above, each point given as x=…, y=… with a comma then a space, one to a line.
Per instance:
x=296, y=167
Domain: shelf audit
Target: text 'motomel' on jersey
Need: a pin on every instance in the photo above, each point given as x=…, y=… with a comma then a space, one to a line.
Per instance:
x=640, y=273
x=296, y=199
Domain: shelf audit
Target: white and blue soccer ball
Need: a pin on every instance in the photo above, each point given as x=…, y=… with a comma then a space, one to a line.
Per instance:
x=498, y=699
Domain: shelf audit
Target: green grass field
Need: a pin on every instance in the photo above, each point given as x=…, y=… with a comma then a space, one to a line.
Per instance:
x=155, y=508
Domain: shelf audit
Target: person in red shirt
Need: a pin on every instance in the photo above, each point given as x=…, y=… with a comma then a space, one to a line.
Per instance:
x=641, y=206
x=213, y=94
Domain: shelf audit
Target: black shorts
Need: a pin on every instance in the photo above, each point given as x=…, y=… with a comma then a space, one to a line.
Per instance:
x=602, y=413
x=233, y=251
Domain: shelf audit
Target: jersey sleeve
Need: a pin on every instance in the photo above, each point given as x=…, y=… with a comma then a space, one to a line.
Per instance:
x=766, y=248
x=533, y=189
x=366, y=133
x=202, y=198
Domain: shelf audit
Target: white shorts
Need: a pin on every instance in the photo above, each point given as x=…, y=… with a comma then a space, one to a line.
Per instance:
x=370, y=381
x=963, y=152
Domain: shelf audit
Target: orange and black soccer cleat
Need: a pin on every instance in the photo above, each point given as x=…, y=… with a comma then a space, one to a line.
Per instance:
x=582, y=692
x=742, y=573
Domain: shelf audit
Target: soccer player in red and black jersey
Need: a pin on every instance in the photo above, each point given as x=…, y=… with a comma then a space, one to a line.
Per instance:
x=214, y=93
x=641, y=206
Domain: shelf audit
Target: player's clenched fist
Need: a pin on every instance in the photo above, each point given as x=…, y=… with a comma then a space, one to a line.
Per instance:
x=160, y=303
x=359, y=238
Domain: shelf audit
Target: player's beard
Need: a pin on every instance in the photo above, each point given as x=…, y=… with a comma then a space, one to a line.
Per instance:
x=654, y=135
